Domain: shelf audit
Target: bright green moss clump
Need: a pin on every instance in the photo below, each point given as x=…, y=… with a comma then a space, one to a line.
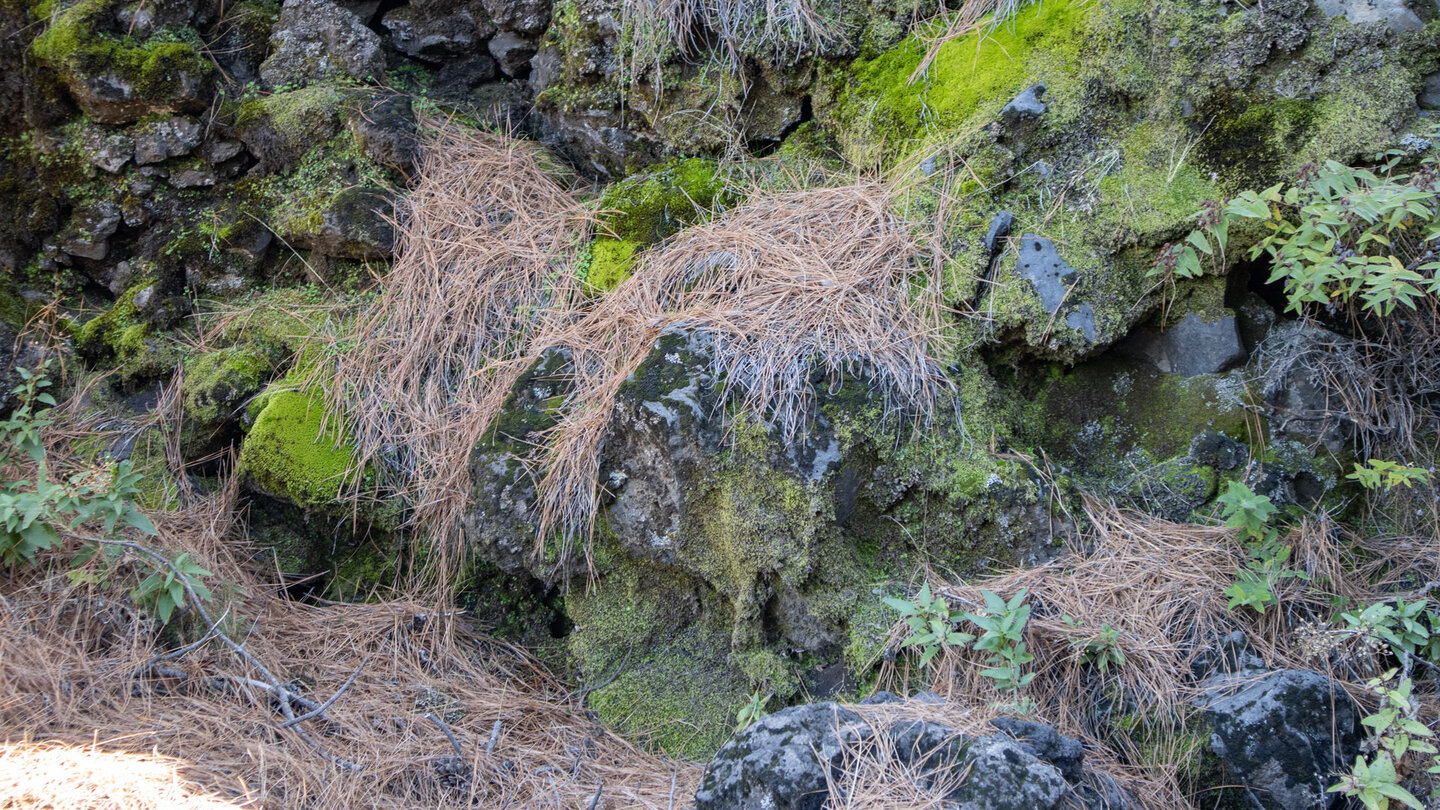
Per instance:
x=611, y=262
x=642, y=210
x=882, y=109
x=292, y=453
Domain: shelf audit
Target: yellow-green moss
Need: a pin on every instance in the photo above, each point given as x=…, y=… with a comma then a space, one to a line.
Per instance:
x=155, y=66
x=611, y=261
x=880, y=110
x=650, y=207
x=292, y=453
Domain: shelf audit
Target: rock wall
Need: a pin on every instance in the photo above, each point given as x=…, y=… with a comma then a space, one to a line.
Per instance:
x=154, y=156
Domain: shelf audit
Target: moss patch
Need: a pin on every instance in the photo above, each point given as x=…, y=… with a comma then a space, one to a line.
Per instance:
x=880, y=111
x=158, y=67
x=291, y=453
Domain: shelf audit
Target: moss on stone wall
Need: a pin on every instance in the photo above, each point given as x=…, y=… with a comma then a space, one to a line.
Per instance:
x=156, y=67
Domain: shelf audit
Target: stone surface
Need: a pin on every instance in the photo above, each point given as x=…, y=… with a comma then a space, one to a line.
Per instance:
x=436, y=33
x=1430, y=93
x=1052, y=277
x=512, y=53
x=1004, y=775
x=1394, y=15
x=520, y=16
x=999, y=229
x=385, y=129
x=317, y=40
x=1284, y=735
x=1028, y=104
x=109, y=151
x=1300, y=397
x=782, y=761
x=1191, y=347
x=162, y=140
x=90, y=230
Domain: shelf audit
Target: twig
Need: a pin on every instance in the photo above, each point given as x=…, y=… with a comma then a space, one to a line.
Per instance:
x=320, y=710
x=494, y=738
x=595, y=802
x=450, y=735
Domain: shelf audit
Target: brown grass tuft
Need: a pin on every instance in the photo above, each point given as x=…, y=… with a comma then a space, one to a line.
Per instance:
x=783, y=284
x=83, y=673
x=485, y=244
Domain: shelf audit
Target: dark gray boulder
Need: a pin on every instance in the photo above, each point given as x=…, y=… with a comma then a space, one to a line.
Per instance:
x=520, y=16
x=317, y=40
x=1191, y=347
x=783, y=761
x=1283, y=736
x=435, y=32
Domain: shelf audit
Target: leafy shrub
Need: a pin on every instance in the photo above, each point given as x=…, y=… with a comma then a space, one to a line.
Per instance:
x=39, y=514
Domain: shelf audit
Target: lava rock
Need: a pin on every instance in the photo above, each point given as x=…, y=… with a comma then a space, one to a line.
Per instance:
x=1045, y=743
x=90, y=229
x=512, y=53
x=353, y=225
x=436, y=35
x=1004, y=775
x=108, y=151
x=1189, y=348
x=317, y=40
x=520, y=16
x=162, y=140
x=1026, y=105
x=1284, y=736
x=783, y=761
x=1051, y=275
x=1000, y=227
x=385, y=130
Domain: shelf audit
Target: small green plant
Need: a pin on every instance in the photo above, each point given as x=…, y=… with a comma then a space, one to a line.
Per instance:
x=1256, y=583
x=1337, y=235
x=1102, y=652
x=751, y=711
x=932, y=623
x=1376, y=474
x=39, y=514
x=1004, y=626
x=1397, y=732
x=1247, y=511
x=1410, y=628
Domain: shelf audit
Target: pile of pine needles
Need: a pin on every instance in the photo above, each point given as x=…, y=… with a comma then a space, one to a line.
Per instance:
x=1160, y=586
x=258, y=700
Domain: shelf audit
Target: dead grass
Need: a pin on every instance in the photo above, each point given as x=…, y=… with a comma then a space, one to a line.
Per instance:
x=786, y=284
x=485, y=243
x=1159, y=584
x=427, y=712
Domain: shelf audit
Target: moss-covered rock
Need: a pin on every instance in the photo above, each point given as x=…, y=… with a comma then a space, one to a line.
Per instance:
x=294, y=452
x=120, y=78
x=124, y=335
x=215, y=388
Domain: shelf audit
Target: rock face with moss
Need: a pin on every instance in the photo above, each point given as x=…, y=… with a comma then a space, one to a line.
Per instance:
x=729, y=560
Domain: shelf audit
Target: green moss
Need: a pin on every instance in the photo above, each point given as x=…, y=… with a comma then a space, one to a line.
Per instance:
x=681, y=697
x=298, y=119
x=293, y=454
x=880, y=111
x=120, y=334
x=647, y=208
x=157, y=67
x=611, y=261
x=213, y=389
